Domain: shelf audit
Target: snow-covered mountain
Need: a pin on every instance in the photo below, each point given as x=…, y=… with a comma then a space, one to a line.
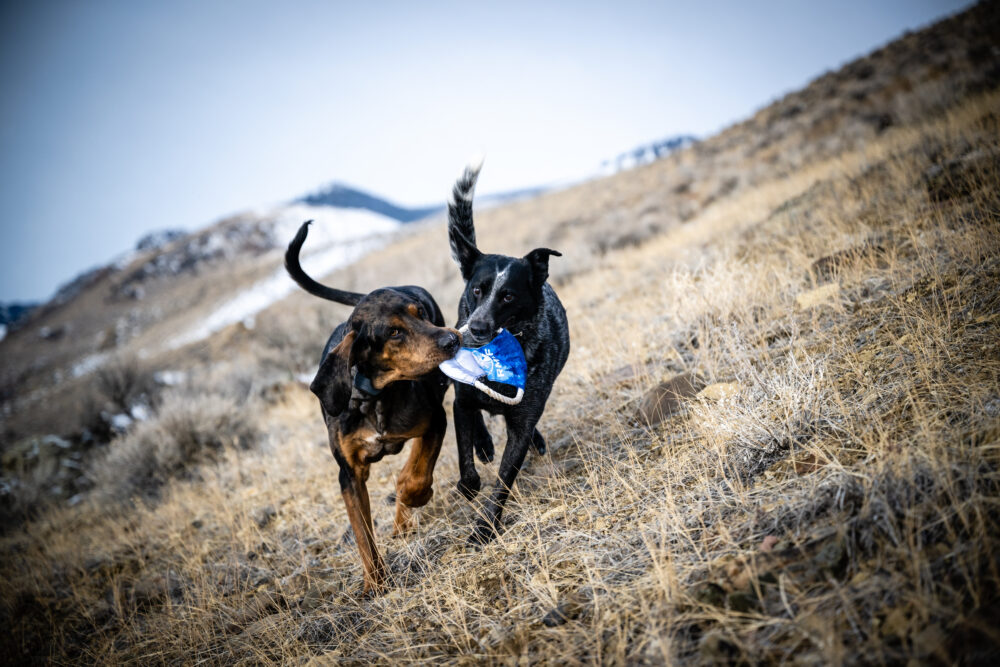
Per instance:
x=647, y=153
x=340, y=196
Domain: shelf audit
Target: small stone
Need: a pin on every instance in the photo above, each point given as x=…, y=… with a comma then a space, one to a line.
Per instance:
x=266, y=627
x=896, y=622
x=742, y=602
x=806, y=464
x=667, y=398
x=821, y=295
x=264, y=516
x=710, y=593
x=553, y=512
x=154, y=589
x=719, y=391
x=570, y=607
x=554, y=618
x=715, y=648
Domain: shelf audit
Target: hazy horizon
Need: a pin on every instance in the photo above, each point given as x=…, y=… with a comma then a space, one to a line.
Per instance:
x=122, y=118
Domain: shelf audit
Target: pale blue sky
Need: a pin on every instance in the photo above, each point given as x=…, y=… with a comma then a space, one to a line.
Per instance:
x=117, y=118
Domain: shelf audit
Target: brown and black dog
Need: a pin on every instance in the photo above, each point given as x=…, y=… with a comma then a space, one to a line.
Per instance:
x=378, y=386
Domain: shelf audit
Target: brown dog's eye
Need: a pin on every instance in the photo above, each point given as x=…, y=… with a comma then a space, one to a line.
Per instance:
x=395, y=333
x=477, y=292
x=421, y=314
x=507, y=298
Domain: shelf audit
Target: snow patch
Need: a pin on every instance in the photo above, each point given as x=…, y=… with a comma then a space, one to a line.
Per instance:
x=121, y=422
x=140, y=412
x=336, y=238
x=88, y=364
x=169, y=378
x=330, y=225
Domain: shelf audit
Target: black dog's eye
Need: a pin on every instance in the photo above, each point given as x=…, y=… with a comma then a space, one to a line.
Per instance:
x=507, y=298
x=395, y=332
x=477, y=292
x=421, y=314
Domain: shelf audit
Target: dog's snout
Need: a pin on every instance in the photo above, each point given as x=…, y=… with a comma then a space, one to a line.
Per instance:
x=449, y=342
x=480, y=329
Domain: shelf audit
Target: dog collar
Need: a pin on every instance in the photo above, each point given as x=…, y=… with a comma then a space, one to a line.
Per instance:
x=501, y=360
x=364, y=384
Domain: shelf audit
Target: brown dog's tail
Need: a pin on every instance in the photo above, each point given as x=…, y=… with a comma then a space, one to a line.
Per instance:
x=308, y=284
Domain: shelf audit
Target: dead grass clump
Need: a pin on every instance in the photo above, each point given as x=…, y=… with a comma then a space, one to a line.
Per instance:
x=187, y=430
x=296, y=332
x=125, y=381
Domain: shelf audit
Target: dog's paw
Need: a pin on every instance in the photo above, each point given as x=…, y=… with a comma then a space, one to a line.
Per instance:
x=484, y=533
x=484, y=448
x=538, y=442
x=469, y=487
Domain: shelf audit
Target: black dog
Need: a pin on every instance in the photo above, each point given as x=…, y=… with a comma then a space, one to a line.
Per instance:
x=510, y=293
x=378, y=386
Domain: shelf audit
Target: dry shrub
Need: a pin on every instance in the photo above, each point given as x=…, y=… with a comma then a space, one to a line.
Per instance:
x=295, y=332
x=187, y=430
x=124, y=381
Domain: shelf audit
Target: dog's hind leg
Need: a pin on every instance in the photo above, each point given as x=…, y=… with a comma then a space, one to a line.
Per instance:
x=414, y=485
x=538, y=442
x=518, y=442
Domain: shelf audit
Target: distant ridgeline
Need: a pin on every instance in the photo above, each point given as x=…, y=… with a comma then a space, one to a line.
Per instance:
x=649, y=152
x=341, y=196
x=11, y=313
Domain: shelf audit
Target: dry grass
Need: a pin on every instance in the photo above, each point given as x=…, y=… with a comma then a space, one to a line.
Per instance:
x=839, y=506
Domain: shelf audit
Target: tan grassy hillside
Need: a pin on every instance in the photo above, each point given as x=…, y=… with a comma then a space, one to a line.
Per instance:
x=830, y=496
x=905, y=82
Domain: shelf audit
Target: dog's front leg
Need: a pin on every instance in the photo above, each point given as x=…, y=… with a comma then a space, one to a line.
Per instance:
x=519, y=438
x=354, y=489
x=414, y=484
x=466, y=415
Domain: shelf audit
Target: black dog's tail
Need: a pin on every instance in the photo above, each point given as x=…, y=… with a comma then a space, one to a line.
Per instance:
x=460, y=206
x=308, y=284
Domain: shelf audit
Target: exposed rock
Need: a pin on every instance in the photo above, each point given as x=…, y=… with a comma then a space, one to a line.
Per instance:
x=52, y=333
x=158, y=239
x=155, y=589
x=667, y=398
x=719, y=391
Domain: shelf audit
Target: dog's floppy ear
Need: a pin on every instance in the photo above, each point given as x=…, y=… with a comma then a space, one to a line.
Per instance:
x=332, y=384
x=361, y=349
x=538, y=260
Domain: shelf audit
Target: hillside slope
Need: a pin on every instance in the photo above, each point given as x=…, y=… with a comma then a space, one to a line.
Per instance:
x=821, y=487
